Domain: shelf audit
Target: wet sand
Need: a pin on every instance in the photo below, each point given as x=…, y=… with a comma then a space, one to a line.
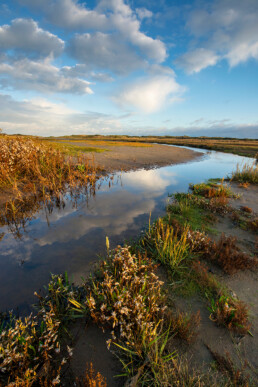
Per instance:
x=127, y=158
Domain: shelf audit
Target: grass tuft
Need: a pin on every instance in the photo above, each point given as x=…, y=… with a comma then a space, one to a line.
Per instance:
x=247, y=174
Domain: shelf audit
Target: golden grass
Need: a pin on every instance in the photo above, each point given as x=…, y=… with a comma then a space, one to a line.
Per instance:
x=247, y=174
x=242, y=147
x=74, y=150
x=68, y=142
x=32, y=171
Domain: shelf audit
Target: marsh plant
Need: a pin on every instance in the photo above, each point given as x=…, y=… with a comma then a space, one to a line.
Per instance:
x=32, y=173
x=27, y=348
x=225, y=309
x=164, y=244
x=127, y=296
x=246, y=174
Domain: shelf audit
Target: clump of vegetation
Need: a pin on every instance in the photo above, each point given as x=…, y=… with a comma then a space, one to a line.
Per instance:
x=58, y=292
x=91, y=378
x=32, y=352
x=247, y=174
x=28, y=165
x=27, y=349
x=33, y=174
x=225, y=309
x=127, y=297
x=184, y=325
x=212, y=190
x=227, y=367
x=246, y=209
x=164, y=244
x=252, y=224
x=71, y=149
x=188, y=211
x=228, y=255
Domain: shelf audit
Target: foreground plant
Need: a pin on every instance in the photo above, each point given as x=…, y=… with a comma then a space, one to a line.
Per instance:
x=246, y=174
x=126, y=295
x=27, y=348
x=31, y=352
x=165, y=244
x=225, y=309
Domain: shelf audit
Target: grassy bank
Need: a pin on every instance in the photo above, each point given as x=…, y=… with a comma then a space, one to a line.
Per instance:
x=35, y=173
x=133, y=295
x=242, y=147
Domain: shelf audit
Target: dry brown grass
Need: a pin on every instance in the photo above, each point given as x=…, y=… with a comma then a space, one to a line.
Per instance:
x=243, y=147
x=228, y=255
x=184, y=325
x=226, y=366
x=91, y=378
x=33, y=172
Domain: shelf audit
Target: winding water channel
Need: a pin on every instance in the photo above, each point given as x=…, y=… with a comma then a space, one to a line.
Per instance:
x=71, y=238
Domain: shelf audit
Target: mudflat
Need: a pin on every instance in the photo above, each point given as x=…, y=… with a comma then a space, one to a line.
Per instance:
x=116, y=158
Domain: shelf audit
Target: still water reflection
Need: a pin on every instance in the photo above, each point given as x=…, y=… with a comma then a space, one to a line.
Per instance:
x=70, y=239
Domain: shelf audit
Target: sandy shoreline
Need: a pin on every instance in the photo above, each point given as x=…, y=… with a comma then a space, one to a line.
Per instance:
x=127, y=158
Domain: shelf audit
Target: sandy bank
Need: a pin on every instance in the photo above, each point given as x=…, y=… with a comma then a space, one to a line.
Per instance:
x=131, y=158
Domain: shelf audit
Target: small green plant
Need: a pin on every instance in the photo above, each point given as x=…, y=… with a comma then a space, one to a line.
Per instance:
x=225, y=310
x=165, y=245
x=211, y=190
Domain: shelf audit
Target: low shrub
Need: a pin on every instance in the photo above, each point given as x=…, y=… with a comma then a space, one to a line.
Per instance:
x=246, y=209
x=184, y=325
x=228, y=255
x=127, y=297
x=27, y=348
x=212, y=190
x=225, y=310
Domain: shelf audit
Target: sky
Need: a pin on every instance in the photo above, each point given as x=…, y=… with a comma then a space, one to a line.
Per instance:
x=136, y=67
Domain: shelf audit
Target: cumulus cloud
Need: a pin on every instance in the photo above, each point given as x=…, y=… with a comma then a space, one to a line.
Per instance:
x=25, y=37
x=109, y=16
x=43, y=117
x=196, y=60
x=68, y=14
x=143, y=13
x=150, y=94
x=83, y=71
x=104, y=51
x=226, y=29
x=41, y=76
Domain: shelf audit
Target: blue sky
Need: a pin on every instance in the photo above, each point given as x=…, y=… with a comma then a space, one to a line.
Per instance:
x=129, y=67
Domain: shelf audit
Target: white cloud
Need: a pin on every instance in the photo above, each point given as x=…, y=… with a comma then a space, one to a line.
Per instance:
x=228, y=29
x=150, y=94
x=242, y=52
x=113, y=16
x=104, y=51
x=195, y=61
x=83, y=71
x=68, y=14
x=43, y=117
x=40, y=76
x=143, y=13
x=26, y=38
x=129, y=28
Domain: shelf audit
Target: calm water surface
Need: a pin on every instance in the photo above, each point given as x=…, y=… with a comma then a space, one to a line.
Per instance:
x=70, y=239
